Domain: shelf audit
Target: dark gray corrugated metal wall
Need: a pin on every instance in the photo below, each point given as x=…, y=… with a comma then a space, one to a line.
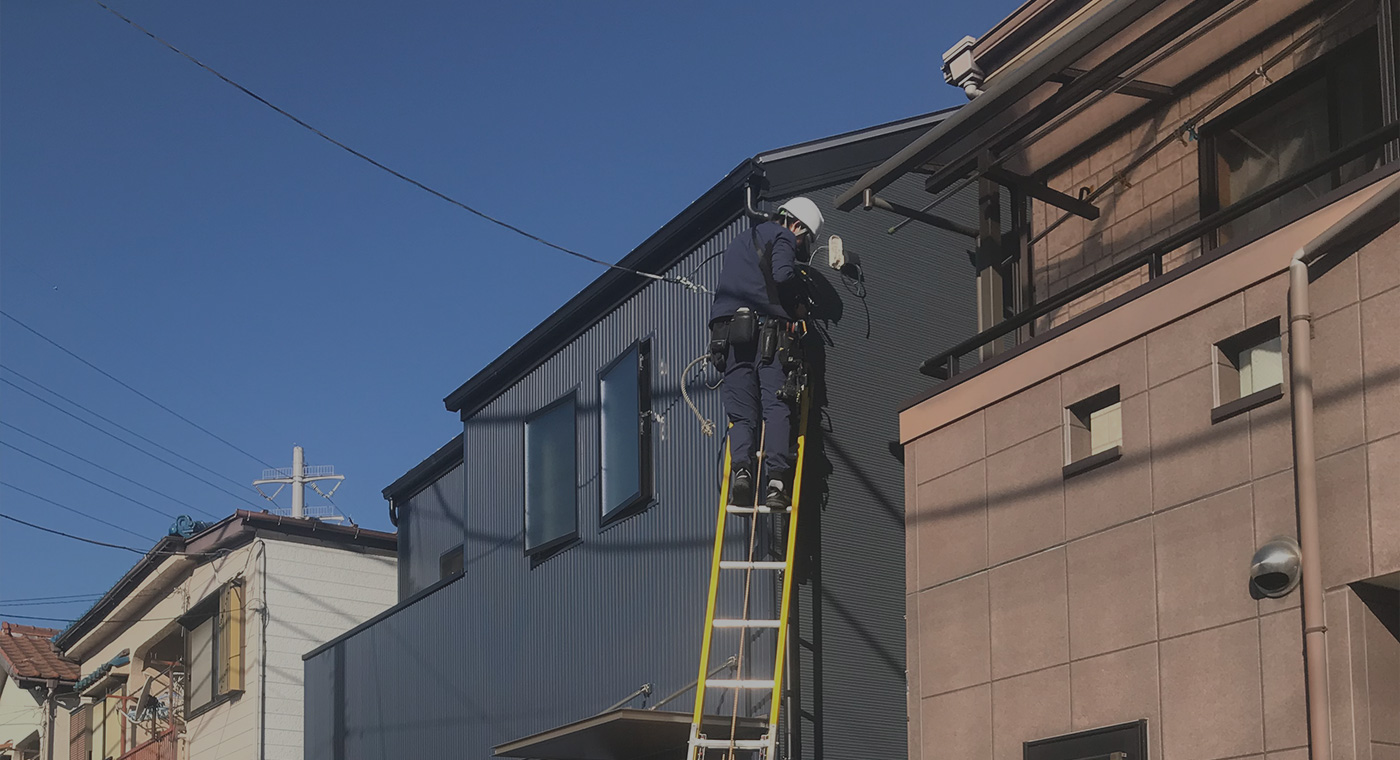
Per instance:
x=430, y=523
x=917, y=296
x=513, y=649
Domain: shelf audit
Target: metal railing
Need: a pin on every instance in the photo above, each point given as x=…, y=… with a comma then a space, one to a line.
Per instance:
x=945, y=365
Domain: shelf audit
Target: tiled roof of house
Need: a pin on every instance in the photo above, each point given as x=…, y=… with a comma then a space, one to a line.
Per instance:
x=26, y=652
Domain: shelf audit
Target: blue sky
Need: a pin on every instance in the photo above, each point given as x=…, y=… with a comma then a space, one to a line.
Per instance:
x=275, y=290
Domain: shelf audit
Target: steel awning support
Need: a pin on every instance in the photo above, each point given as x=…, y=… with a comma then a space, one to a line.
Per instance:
x=932, y=220
x=1041, y=191
x=1112, y=17
x=1132, y=87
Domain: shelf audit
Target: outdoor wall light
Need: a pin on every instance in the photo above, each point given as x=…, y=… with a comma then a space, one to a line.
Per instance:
x=1276, y=568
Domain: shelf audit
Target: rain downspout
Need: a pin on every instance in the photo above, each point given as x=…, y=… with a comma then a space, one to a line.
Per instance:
x=1305, y=464
x=262, y=656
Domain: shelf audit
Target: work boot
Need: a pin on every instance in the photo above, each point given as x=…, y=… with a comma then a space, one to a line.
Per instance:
x=741, y=488
x=777, y=498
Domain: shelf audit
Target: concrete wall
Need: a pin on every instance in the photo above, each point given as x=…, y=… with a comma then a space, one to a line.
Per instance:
x=1041, y=604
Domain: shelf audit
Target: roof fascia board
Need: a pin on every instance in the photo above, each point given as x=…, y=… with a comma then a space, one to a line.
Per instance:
x=660, y=251
x=1001, y=94
x=860, y=135
x=435, y=466
x=133, y=577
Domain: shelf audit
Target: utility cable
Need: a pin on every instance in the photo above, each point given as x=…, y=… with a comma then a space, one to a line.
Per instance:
x=93, y=483
x=69, y=535
x=74, y=511
x=116, y=380
x=50, y=603
x=47, y=598
x=124, y=441
x=682, y=281
x=706, y=426
x=104, y=469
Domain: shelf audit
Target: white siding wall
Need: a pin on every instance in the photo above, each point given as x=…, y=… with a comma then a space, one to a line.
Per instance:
x=314, y=594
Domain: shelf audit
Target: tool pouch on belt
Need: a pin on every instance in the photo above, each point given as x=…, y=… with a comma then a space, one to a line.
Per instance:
x=741, y=329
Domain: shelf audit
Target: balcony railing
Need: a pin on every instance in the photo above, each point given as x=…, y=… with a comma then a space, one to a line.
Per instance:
x=946, y=365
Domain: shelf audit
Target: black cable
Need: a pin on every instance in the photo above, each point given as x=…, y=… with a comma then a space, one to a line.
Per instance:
x=114, y=379
x=93, y=483
x=104, y=469
x=439, y=194
x=47, y=598
x=115, y=437
x=74, y=511
x=69, y=535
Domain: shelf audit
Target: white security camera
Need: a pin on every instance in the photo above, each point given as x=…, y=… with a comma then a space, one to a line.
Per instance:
x=837, y=255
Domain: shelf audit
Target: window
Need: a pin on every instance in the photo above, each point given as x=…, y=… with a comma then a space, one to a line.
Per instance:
x=450, y=563
x=624, y=394
x=1248, y=370
x=1093, y=431
x=214, y=649
x=1126, y=741
x=1287, y=128
x=551, y=477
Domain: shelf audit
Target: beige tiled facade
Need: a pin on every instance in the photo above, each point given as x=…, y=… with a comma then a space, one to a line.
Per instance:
x=1041, y=604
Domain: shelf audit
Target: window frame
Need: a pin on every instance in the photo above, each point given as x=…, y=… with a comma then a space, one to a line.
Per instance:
x=1120, y=735
x=447, y=558
x=645, y=493
x=569, y=398
x=1323, y=68
x=1226, y=352
x=209, y=608
x=1075, y=416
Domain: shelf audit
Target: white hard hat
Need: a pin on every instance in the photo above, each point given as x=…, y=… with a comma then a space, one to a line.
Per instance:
x=805, y=211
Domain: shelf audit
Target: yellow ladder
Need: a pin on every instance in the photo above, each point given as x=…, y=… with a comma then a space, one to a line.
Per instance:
x=766, y=746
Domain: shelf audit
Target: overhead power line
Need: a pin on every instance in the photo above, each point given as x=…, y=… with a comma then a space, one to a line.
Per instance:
x=104, y=469
x=682, y=281
x=90, y=482
x=118, y=381
x=48, y=598
x=68, y=535
x=95, y=518
x=129, y=431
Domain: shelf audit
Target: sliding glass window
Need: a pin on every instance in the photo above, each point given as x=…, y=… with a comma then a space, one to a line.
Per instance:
x=624, y=393
x=551, y=476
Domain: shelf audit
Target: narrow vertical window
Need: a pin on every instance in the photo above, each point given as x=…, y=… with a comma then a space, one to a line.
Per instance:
x=1093, y=431
x=551, y=476
x=624, y=395
x=450, y=563
x=1248, y=370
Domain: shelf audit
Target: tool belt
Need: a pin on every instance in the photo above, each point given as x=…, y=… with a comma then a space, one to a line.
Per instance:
x=777, y=338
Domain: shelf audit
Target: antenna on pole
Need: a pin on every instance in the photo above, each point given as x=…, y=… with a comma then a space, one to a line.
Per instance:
x=299, y=476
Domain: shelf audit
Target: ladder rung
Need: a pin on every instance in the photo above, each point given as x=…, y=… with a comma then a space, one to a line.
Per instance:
x=736, y=743
x=748, y=623
x=735, y=509
x=738, y=564
x=733, y=683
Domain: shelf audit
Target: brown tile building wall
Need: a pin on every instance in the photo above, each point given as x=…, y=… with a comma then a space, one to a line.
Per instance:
x=1040, y=605
x=1162, y=196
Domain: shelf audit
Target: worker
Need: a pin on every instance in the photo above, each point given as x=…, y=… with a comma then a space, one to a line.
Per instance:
x=756, y=301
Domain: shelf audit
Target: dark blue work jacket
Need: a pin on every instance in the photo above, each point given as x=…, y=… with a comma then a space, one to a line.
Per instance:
x=741, y=280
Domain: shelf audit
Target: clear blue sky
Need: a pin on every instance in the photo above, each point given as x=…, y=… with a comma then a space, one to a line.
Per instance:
x=267, y=285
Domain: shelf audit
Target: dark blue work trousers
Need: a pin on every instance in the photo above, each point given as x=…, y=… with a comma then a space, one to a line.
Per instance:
x=750, y=398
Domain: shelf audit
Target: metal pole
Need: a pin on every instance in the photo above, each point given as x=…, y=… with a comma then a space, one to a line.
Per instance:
x=298, y=482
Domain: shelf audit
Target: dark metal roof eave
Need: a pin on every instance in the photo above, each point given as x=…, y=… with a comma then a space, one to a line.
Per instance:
x=1000, y=95
x=441, y=461
x=657, y=252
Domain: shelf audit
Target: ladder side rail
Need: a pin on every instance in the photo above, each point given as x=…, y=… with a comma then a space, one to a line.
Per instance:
x=790, y=555
x=713, y=594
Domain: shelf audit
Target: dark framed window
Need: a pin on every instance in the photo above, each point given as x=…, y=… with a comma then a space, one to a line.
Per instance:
x=450, y=562
x=1125, y=741
x=214, y=649
x=1291, y=126
x=551, y=476
x=624, y=428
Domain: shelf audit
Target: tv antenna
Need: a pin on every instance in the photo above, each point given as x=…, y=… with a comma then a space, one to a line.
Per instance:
x=299, y=476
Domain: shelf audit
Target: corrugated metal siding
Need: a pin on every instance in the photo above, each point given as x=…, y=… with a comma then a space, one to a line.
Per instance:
x=430, y=523
x=516, y=647
x=918, y=297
